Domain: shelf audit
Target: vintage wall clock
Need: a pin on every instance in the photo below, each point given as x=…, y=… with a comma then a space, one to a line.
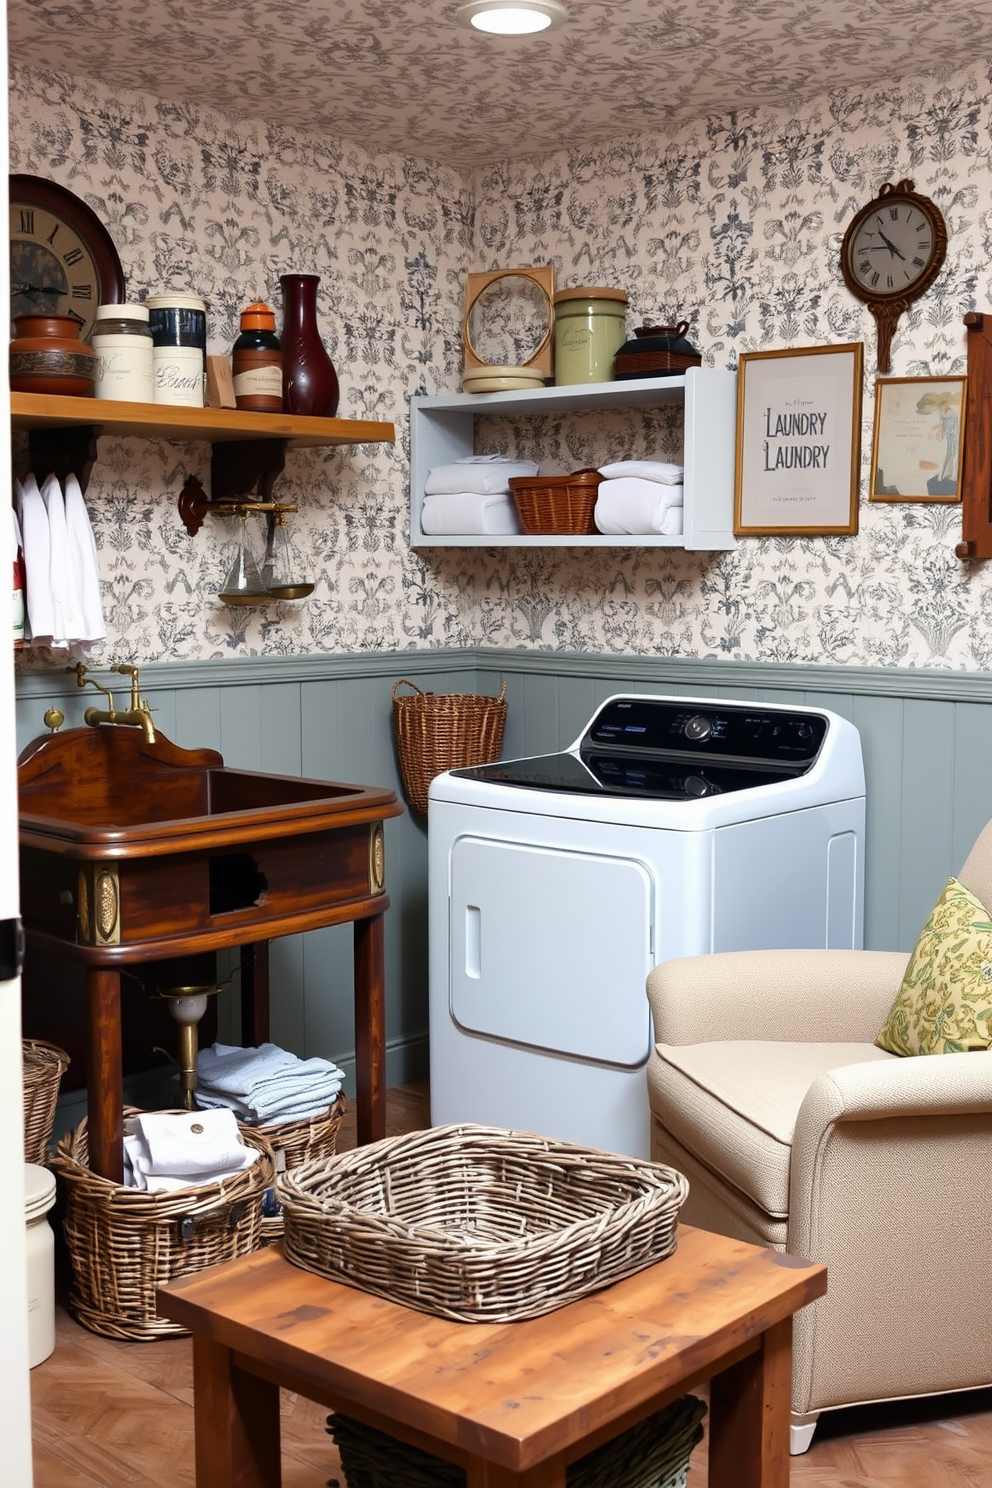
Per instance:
x=891, y=254
x=62, y=258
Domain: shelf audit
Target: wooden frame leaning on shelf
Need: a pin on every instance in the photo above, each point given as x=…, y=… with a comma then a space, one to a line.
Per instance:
x=976, y=472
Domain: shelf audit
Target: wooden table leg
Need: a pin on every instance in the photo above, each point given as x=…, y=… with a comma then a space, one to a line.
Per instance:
x=370, y=1029
x=236, y=1418
x=255, y=993
x=104, y=1075
x=749, y=1416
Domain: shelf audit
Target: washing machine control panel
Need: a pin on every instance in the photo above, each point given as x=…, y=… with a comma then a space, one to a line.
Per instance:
x=724, y=732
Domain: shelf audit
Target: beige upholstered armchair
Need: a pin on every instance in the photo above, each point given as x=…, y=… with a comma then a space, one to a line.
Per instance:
x=795, y=1131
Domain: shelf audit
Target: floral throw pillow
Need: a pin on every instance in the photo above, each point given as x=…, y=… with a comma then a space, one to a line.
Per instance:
x=944, y=1005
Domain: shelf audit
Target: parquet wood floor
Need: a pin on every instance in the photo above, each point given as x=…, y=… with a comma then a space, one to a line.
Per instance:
x=109, y=1414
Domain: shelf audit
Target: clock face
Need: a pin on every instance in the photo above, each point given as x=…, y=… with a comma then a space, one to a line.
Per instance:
x=62, y=260
x=893, y=251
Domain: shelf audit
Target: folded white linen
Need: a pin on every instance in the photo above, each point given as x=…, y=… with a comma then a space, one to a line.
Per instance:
x=632, y=505
x=169, y=1150
x=470, y=513
x=262, y=1083
x=84, y=562
x=312, y=1104
x=486, y=475
x=36, y=546
x=653, y=470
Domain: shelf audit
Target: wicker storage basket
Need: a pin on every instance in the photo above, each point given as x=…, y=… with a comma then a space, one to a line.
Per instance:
x=561, y=504
x=124, y=1242
x=653, y=1454
x=293, y=1143
x=477, y=1223
x=43, y=1067
x=438, y=731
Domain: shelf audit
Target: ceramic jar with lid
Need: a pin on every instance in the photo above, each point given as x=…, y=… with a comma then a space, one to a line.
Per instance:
x=122, y=340
x=590, y=326
x=178, y=325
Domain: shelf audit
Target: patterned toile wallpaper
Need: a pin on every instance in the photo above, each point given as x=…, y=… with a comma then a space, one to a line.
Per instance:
x=733, y=224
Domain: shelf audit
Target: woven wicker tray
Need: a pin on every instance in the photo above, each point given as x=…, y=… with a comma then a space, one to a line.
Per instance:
x=556, y=504
x=477, y=1223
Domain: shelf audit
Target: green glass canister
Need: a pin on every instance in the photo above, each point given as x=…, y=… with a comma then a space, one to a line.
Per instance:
x=590, y=328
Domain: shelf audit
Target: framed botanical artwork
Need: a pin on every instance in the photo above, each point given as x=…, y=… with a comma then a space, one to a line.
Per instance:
x=918, y=443
x=798, y=441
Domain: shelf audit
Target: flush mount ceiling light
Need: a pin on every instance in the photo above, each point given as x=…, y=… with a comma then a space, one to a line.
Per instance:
x=511, y=17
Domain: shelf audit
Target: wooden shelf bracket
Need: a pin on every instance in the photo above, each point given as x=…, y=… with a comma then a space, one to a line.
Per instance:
x=242, y=471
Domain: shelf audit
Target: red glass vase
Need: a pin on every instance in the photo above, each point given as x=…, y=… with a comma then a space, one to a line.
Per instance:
x=309, y=381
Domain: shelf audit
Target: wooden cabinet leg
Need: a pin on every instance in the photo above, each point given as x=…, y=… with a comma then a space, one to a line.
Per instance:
x=104, y=1076
x=255, y=993
x=370, y=1030
x=749, y=1416
x=236, y=1417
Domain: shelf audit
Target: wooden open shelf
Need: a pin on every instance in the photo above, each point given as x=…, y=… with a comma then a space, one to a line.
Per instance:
x=172, y=421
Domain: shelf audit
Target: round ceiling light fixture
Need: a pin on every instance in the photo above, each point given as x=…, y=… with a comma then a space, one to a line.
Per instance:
x=511, y=17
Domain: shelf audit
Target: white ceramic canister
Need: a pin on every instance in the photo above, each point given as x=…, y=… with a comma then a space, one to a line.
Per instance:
x=590, y=328
x=122, y=340
x=179, y=335
x=39, y=1196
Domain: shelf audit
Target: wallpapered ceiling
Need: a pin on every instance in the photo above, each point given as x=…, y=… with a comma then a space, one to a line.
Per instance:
x=733, y=223
x=362, y=69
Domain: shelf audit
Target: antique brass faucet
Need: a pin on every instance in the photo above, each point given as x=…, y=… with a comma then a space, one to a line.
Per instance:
x=138, y=713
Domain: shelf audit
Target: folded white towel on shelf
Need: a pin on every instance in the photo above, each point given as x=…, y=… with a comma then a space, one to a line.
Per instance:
x=469, y=513
x=483, y=474
x=36, y=547
x=661, y=471
x=168, y=1150
x=84, y=562
x=633, y=505
x=265, y=1084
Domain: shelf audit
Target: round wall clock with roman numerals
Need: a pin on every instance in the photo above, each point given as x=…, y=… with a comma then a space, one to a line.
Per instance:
x=62, y=258
x=891, y=254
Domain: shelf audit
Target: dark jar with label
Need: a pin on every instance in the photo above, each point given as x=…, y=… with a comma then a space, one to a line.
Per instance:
x=256, y=361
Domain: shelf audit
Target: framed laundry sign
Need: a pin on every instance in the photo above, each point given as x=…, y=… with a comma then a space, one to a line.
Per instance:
x=798, y=441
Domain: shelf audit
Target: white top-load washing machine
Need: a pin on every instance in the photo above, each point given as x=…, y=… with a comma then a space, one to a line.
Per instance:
x=672, y=827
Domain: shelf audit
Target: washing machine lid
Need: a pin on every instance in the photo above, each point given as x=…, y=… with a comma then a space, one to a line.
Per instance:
x=664, y=749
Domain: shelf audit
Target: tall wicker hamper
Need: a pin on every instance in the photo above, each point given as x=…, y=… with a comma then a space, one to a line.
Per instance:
x=653, y=1454
x=43, y=1067
x=124, y=1242
x=438, y=731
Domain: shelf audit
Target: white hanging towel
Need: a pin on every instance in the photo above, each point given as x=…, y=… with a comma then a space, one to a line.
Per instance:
x=36, y=547
x=18, y=589
x=66, y=607
x=85, y=564
x=631, y=504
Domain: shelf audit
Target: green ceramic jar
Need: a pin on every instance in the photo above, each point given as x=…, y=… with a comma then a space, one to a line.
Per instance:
x=590, y=328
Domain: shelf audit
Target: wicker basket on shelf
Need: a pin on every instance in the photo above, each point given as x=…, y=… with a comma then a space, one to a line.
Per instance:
x=43, y=1067
x=477, y=1223
x=294, y=1143
x=653, y=1454
x=124, y=1242
x=562, y=504
x=438, y=731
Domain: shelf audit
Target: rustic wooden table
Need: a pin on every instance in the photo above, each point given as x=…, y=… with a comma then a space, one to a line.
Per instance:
x=513, y=1403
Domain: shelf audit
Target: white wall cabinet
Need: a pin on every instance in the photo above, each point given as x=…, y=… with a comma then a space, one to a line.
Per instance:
x=442, y=429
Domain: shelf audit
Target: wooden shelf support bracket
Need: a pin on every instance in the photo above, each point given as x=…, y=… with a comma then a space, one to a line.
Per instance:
x=242, y=471
x=976, y=473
